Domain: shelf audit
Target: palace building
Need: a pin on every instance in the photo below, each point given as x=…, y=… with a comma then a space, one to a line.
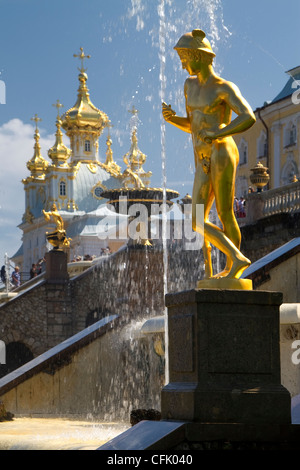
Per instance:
x=73, y=179
x=273, y=142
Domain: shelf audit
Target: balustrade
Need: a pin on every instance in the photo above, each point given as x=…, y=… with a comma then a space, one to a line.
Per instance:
x=285, y=199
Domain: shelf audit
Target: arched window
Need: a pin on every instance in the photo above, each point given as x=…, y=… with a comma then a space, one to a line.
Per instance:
x=243, y=151
x=292, y=134
x=17, y=354
x=262, y=145
x=289, y=170
x=290, y=137
x=87, y=146
x=62, y=188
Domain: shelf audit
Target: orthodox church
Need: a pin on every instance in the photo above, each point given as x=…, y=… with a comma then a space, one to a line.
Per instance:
x=73, y=179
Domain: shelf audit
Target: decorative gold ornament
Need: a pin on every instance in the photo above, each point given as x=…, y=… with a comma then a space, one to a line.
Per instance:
x=59, y=153
x=92, y=167
x=37, y=165
x=58, y=237
x=83, y=114
x=259, y=176
x=110, y=165
x=134, y=175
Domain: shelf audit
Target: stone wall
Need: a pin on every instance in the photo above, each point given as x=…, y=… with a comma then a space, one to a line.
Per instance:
x=102, y=373
x=129, y=283
x=269, y=233
x=24, y=319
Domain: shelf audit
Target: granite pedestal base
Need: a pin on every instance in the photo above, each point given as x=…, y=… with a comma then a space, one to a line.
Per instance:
x=224, y=358
x=56, y=266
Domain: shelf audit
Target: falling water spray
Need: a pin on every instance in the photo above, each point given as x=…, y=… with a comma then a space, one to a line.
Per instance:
x=162, y=77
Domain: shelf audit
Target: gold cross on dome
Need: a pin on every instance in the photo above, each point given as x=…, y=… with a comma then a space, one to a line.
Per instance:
x=58, y=105
x=133, y=111
x=82, y=56
x=36, y=119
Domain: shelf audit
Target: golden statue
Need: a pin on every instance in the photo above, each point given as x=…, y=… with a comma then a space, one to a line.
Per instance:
x=57, y=238
x=210, y=101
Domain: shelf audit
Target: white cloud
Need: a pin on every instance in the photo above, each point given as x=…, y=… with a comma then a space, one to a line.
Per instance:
x=16, y=148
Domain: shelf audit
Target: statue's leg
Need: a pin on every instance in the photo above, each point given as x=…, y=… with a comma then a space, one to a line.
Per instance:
x=203, y=194
x=223, y=168
x=224, y=163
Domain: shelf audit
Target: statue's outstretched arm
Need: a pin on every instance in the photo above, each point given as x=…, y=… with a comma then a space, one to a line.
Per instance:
x=46, y=215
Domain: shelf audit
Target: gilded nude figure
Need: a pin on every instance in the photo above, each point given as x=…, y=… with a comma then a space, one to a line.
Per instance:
x=210, y=101
x=57, y=238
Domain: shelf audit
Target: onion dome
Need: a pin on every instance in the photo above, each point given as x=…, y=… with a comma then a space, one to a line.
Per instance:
x=134, y=175
x=59, y=153
x=37, y=165
x=84, y=115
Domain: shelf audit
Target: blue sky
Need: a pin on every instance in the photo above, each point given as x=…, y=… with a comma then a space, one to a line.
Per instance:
x=256, y=43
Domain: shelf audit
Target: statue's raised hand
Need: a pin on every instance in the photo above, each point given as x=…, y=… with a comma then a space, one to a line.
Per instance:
x=167, y=111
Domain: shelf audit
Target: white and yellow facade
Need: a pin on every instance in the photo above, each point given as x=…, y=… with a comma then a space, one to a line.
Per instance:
x=274, y=139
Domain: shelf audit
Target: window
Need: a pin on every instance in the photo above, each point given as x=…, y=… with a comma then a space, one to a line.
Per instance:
x=243, y=151
x=98, y=191
x=292, y=135
x=289, y=170
x=87, y=146
x=62, y=188
x=262, y=145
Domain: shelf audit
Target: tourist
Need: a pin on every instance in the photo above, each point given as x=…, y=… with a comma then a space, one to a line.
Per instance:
x=236, y=206
x=210, y=101
x=41, y=266
x=33, y=272
x=3, y=275
x=15, y=277
x=242, y=212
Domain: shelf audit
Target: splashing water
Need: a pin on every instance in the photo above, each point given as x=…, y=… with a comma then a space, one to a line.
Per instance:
x=175, y=19
x=162, y=75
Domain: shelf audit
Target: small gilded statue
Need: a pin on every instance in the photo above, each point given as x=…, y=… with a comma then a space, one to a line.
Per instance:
x=58, y=237
x=210, y=101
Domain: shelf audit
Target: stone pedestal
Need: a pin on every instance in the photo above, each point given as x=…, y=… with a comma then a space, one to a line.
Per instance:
x=224, y=358
x=56, y=266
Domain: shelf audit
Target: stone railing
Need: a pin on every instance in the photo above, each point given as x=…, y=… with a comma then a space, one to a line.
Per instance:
x=285, y=199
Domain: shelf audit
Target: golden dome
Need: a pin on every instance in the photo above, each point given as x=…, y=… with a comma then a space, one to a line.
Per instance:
x=59, y=153
x=37, y=165
x=134, y=175
x=84, y=115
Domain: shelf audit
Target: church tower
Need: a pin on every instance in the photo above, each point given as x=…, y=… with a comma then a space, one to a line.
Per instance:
x=60, y=172
x=84, y=122
x=73, y=179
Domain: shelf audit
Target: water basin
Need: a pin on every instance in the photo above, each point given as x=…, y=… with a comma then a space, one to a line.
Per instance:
x=56, y=434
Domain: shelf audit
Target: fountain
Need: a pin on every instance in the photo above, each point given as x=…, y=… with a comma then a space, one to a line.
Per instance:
x=203, y=318
x=137, y=195
x=223, y=338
